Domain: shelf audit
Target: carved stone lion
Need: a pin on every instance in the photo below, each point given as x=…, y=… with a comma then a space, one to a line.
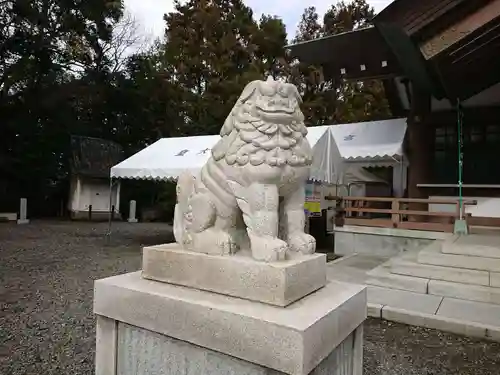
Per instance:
x=250, y=193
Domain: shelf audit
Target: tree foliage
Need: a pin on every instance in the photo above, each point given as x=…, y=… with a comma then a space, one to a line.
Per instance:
x=214, y=48
x=43, y=42
x=83, y=67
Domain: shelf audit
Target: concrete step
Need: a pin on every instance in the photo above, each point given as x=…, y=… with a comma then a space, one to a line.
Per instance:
x=495, y=279
x=483, y=313
x=434, y=256
x=486, y=246
x=381, y=276
x=466, y=318
x=468, y=292
x=382, y=279
x=422, y=303
x=408, y=265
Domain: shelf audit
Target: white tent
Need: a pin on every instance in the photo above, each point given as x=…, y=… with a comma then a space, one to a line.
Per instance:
x=339, y=153
x=371, y=143
x=327, y=164
x=374, y=143
x=169, y=157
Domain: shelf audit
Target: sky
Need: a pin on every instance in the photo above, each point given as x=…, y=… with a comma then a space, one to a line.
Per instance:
x=149, y=13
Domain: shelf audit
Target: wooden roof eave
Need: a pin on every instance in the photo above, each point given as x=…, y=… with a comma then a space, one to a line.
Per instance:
x=475, y=55
x=355, y=56
x=425, y=16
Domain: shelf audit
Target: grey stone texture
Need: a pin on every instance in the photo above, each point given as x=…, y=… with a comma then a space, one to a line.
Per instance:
x=145, y=352
x=293, y=340
x=277, y=283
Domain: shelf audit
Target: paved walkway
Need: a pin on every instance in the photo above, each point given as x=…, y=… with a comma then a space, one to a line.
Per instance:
x=464, y=317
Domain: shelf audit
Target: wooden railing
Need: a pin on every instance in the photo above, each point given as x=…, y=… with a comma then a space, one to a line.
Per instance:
x=370, y=211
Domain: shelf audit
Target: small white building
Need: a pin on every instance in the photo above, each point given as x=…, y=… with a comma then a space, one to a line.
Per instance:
x=91, y=197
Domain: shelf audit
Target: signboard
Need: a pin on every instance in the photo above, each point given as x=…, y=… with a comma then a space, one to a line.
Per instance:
x=312, y=204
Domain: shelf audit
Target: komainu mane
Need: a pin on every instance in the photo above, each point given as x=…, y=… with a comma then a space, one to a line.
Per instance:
x=250, y=193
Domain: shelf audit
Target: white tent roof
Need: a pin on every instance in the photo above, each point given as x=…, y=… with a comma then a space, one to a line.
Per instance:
x=167, y=158
x=329, y=165
x=371, y=141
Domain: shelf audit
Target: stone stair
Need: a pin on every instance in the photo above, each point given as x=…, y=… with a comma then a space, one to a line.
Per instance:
x=465, y=267
x=473, y=245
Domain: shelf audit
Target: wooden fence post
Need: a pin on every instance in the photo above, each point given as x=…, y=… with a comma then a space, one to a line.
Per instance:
x=339, y=212
x=395, y=216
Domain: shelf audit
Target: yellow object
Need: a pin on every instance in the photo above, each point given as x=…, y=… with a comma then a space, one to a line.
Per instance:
x=313, y=207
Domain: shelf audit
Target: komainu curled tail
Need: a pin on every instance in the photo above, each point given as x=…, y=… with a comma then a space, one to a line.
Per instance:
x=194, y=214
x=182, y=216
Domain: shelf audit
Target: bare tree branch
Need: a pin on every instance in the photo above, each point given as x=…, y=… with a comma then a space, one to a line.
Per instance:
x=128, y=37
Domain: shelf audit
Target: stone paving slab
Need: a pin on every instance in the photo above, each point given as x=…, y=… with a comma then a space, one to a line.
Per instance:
x=346, y=274
x=469, y=318
x=484, y=313
x=443, y=323
x=405, y=267
x=436, y=257
x=362, y=262
x=474, y=245
x=423, y=303
x=476, y=293
x=353, y=268
x=495, y=279
x=383, y=277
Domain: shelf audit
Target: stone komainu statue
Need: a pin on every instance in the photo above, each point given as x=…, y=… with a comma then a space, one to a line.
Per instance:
x=250, y=193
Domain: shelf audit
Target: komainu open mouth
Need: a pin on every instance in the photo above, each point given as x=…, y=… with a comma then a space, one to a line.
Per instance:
x=287, y=112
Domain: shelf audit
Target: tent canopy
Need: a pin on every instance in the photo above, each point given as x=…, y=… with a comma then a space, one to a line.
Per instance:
x=332, y=146
x=167, y=158
x=371, y=142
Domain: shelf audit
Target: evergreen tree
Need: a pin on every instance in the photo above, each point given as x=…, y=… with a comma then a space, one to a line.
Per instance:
x=214, y=49
x=45, y=45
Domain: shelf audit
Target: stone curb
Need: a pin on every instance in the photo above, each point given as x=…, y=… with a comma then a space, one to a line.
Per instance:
x=374, y=310
x=442, y=323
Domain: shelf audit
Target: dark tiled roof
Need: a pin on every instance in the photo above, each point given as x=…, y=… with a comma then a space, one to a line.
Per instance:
x=94, y=157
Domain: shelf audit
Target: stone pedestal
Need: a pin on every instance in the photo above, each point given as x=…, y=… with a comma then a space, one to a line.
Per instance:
x=154, y=327
x=23, y=209
x=132, y=212
x=278, y=283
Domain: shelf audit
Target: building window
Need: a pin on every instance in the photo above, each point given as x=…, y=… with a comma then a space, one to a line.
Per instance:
x=481, y=145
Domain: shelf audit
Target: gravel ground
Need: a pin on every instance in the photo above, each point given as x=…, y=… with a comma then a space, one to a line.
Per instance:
x=47, y=271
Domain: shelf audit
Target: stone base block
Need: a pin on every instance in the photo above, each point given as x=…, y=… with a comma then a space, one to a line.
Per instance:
x=152, y=327
x=278, y=283
x=23, y=221
x=133, y=221
x=139, y=351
